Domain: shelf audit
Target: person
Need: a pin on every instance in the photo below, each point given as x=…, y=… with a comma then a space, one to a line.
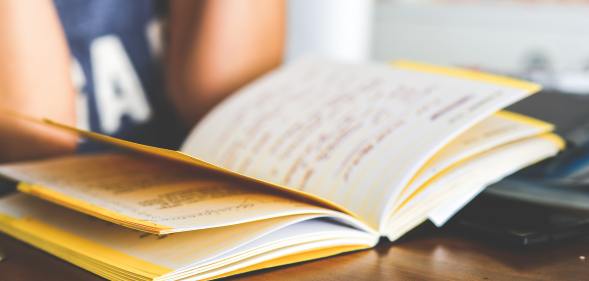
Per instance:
x=140, y=70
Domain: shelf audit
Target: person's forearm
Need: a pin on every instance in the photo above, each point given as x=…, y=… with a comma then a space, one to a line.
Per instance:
x=229, y=44
x=34, y=80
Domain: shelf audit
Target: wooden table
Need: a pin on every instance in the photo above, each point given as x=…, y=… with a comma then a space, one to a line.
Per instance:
x=425, y=255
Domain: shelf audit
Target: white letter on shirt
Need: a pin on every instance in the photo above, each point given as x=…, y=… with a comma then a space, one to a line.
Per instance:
x=118, y=89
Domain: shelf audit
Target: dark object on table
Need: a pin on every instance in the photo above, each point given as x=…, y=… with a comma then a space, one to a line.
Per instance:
x=516, y=223
x=6, y=187
x=562, y=181
x=570, y=114
x=547, y=202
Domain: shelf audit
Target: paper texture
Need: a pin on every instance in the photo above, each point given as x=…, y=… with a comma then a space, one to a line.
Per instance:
x=450, y=189
x=353, y=134
x=500, y=128
x=101, y=246
x=152, y=195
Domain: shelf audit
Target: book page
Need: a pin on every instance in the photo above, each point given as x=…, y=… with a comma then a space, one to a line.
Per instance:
x=179, y=157
x=107, y=249
x=500, y=128
x=353, y=134
x=151, y=195
x=456, y=186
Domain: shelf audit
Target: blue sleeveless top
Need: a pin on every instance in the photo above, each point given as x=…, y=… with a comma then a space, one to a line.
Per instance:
x=116, y=49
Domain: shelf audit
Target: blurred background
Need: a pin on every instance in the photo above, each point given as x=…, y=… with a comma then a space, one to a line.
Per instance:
x=545, y=41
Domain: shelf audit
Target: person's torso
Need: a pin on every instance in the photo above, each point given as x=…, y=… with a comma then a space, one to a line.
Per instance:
x=116, y=47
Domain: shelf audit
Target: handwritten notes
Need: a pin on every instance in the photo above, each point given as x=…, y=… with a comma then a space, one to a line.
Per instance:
x=354, y=134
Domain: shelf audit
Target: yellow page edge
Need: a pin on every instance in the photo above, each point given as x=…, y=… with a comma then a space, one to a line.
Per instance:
x=90, y=209
x=296, y=258
x=468, y=74
x=193, y=161
x=94, y=250
x=540, y=124
x=557, y=140
x=545, y=127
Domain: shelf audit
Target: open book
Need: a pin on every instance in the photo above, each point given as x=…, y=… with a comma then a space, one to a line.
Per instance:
x=314, y=159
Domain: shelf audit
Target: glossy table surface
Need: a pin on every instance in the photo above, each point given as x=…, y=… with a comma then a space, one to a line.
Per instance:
x=428, y=254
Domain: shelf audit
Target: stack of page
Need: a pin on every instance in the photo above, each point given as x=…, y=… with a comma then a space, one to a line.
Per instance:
x=314, y=159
